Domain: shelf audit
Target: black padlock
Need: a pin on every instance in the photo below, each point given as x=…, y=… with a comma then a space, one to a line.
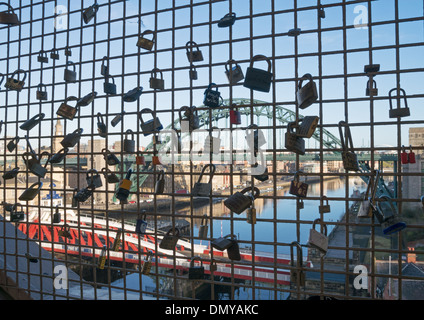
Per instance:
x=169, y=241
x=68, y=52
x=202, y=189
x=33, y=163
x=9, y=17
x=54, y=54
x=89, y=13
x=83, y=195
x=193, y=73
x=66, y=111
x=41, y=94
x=16, y=84
x=349, y=158
x=212, y=98
x=86, y=100
x=70, y=76
x=160, y=183
x=129, y=144
x=387, y=216
x=110, y=176
x=156, y=83
x=93, y=179
x=234, y=74
x=293, y=142
x=56, y=216
x=110, y=158
x=31, y=123
x=307, y=94
x=118, y=118
x=228, y=20
x=133, y=94
x=59, y=156
x=146, y=43
x=30, y=193
x=104, y=69
x=109, y=87
x=196, y=272
x=371, y=68
x=42, y=57
x=12, y=174
x=222, y=243
x=13, y=144
x=17, y=215
x=240, y=201
x=193, y=55
x=101, y=126
x=398, y=112
x=258, y=79
x=233, y=251
x=71, y=139
x=298, y=188
x=371, y=89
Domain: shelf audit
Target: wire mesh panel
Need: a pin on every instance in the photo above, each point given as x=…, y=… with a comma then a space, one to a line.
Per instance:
x=211, y=150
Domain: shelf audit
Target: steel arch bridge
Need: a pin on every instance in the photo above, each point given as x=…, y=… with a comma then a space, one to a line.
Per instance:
x=261, y=109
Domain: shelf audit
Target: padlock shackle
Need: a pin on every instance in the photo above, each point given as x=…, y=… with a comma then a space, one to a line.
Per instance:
x=261, y=57
x=193, y=44
x=48, y=158
x=211, y=174
x=149, y=32
x=69, y=62
x=232, y=236
x=145, y=110
x=9, y=6
x=40, y=86
x=373, y=82
x=142, y=215
x=161, y=175
x=17, y=72
x=229, y=63
x=154, y=72
x=255, y=191
x=100, y=118
x=299, y=260
x=318, y=221
x=205, y=218
x=193, y=259
x=348, y=135
x=306, y=76
x=175, y=231
x=391, y=97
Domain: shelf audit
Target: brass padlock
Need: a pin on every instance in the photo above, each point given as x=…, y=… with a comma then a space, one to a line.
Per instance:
x=257, y=79
x=70, y=76
x=71, y=139
x=349, y=158
x=293, y=142
x=297, y=275
x=324, y=206
x=42, y=57
x=102, y=258
x=307, y=94
x=160, y=183
x=147, y=264
x=16, y=84
x=193, y=55
x=129, y=144
x=196, y=272
x=89, y=13
x=399, y=111
x=117, y=242
x=156, y=83
x=170, y=239
x=31, y=123
x=234, y=74
x=9, y=17
x=204, y=228
x=30, y=193
x=66, y=111
x=298, y=188
x=201, y=189
x=145, y=43
x=239, y=201
x=317, y=239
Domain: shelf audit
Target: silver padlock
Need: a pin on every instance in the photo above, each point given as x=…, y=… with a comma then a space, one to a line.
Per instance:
x=307, y=94
x=169, y=241
x=151, y=126
x=204, y=228
x=160, y=183
x=297, y=274
x=307, y=126
x=251, y=213
x=213, y=144
x=234, y=74
x=293, y=142
x=317, y=239
x=324, y=206
x=129, y=144
x=201, y=189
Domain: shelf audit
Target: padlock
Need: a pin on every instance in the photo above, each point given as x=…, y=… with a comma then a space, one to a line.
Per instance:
x=16, y=84
x=104, y=69
x=110, y=177
x=30, y=193
x=31, y=123
x=387, y=216
x=145, y=43
x=147, y=264
x=307, y=126
x=156, y=161
x=235, y=115
x=222, y=243
x=404, y=157
x=213, y=267
x=371, y=68
x=102, y=258
x=255, y=137
x=123, y=191
x=41, y=94
x=54, y=54
x=59, y=156
x=109, y=87
x=9, y=17
x=308, y=94
x=1, y=122
x=212, y=98
x=83, y=195
x=239, y=201
x=74, y=202
x=213, y=144
x=160, y=183
x=170, y=239
x=201, y=189
x=257, y=79
x=371, y=89
x=366, y=206
x=293, y=142
x=89, y=13
x=141, y=223
x=117, y=242
x=156, y=83
x=298, y=188
x=70, y=76
x=56, y=216
x=411, y=155
x=68, y=52
x=297, y=275
x=190, y=119
x=118, y=118
x=65, y=231
x=234, y=74
x=398, y=112
x=140, y=161
x=324, y=207
x=321, y=13
x=193, y=55
x=101, y=126
x=13, y=144
x=110, y=158
x=17, y=215
x=204, y=228
x=93, y=179
x=150, y=126
x=71, y=139
x=129, y=144
x=12, y=174
x=133, y=94
x=66, y=111
x=196, y=272
x=33, y=163
x=260, y=171
x=350, y=159
x=227, y=20
x=233, y=251
x=192, y=73
x=294, y=32
x=300, y=204
x=317, y=239
x=251, y=213
x=42, y=57
x=86, y=100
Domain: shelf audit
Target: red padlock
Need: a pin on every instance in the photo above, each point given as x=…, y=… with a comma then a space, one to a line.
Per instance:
x=411, y=155
x=235, y=116
x=139, y=160
x=404, y=157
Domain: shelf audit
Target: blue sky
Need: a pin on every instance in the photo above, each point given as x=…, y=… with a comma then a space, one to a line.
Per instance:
x=383, y=35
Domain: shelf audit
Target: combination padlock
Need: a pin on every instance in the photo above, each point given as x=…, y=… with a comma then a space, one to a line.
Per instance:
x=201, y=189
x=86, y=100
x=54, y=54
x=147, y=264
x=12, y=144
x=317, y=239
x=110, y=158
x=190, y=121
x=196, y=272
x=240, y=201
x=258, y=79
x=213, y=144
x=123, y=191
x=117, y=119
x=17, y=215
x=293, y=142
x=71, y=139
x=212, y=98
x=141, y=223
x=70, y=76
x=66, y=111
x=146, y=43
x=101, y=126
x=93, y=179
x=9, y=17
x=41, y=94
x=30, y=193
x=193, y=55
x=228, y=20
x=109, y=87
x=324, y=207
x=89, y=13
x=151, y=126
x=234, y=74
x=16, y=84
x=399, y=111
x=110, y=177
x=255, y=138
x=129, y=143
x=59, y=156
x=307, y=126
x=133, y=95
x=298, y=188
x=31, y=123
x=204, y=228
x=297, y=274
x=11, y=174
x=350, y=159
x=160, y=183
x=42, y=57
x=155, y=82
x=371, y=89
x=308, y=94
x=170, y=239
x=235, y=115
x=117, y=242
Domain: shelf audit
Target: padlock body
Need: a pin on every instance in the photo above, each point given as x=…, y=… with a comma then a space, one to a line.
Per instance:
x=251, y=216
x=156, y=83
x=160, y=186
x=235, y=75
x=10, y=19
x=42, y=59
x=194, y=56
x=307, y=95
x=238, y=202
x=201, y=189
x=67, y=111
x=83, y=195
x=233, y=251
x=294, y=143
x=295, y=275
x=257, y=79
x=141, y=226
x=350, y=161
x=17, y=216
x=147, y=267
x=151, y=126
x=196, y=273
x=145, y=43
x=193, y=75
x=404, y=158
x=307, y=127
x=169, y=242
x=38, y=170
x=70, y=140
x=299, y=189
x=212, y=144
x=235, y=117
x=221, y=244
x=129, y=145
x=399, y=112
x=203, y=232
x=94, y=181
x=365, y=209
x=70, y=76
x=212, y=98
x=109, y=88
x=318, y=240
x=13, y=84
x=41, y=95
x=139, y=160
x=324, y=208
